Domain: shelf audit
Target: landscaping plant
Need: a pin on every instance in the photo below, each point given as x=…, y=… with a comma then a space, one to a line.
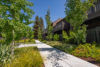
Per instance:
x=49, y=26
x=56, y=37
x=5, y=54
x=15, y=16
x=76, y=14
x=26, y=57
x=87, y=50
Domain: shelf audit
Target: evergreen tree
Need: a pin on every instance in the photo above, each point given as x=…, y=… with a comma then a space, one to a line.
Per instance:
x=36, y=27
x=41, y=25
x=41, y=29
x=39, y=34
x=49, y=26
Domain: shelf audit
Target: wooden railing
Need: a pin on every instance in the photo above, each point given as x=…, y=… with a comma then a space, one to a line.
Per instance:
x=94, y=9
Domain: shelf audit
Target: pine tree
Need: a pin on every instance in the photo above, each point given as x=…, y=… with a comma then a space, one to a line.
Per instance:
x=49, y=26
x=41, y=25
x=36, y=27
x=41, y=29
x=39, y=34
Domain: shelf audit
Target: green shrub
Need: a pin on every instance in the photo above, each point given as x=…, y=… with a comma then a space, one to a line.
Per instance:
x=2, y=41
x=44, y=41
x=97, y=55
x=78, y=36
x=85, y=50
x=26, y=57
x=56, y=37
x=5, y=54
x=65, y=37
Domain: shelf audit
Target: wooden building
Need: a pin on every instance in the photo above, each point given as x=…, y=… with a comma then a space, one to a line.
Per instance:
x=93, y=23
x=60, y=25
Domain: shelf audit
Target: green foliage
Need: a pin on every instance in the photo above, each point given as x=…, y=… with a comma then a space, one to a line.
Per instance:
x=87, y=50
x=13, y=9
x=26, y=41
x=5, y=54
x=39, y=34
x=97, y=55
x=76, y=14
x=13, y=21
x=38, y=28
x=76, y=11
x=79, y=36
x=2, y=41
x=68, y=48
x=41, y=25
x=30, y=34
x=56, y=37
x=26, y=57
x=49, y=26
x=44, y=41
x=65, y=37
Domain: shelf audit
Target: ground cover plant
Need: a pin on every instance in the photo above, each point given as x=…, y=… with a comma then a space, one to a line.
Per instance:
x=26, y=57
x=68, y=48
x=26, y=41
x=88, y=52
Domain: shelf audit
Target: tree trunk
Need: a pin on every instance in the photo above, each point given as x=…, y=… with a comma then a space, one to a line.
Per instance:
x=13, y=43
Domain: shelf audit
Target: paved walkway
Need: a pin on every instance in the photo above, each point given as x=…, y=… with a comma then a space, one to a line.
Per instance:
x=56, y=58
x=25, y=45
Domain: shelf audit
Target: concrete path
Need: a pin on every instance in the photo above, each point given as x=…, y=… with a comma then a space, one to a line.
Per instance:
x=25, y=45
x=55, y=58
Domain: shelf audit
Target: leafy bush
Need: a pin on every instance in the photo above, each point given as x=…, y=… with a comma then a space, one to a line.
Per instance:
x=85, y=50
x=44, y=41
x=56, y=37
x=39, y=34
x=78, y=36
x=65, y=37
x=97, y=55
x=2, y=41
x=5, y=54
x=26, y=57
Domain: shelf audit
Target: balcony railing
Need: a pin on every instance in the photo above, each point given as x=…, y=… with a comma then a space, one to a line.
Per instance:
x=95, y=9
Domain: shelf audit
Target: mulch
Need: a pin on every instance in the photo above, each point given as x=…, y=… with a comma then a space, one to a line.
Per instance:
x=91, y=60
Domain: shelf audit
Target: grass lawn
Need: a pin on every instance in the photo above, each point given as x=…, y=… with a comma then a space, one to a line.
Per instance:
x=88, y=52
x=26, y=57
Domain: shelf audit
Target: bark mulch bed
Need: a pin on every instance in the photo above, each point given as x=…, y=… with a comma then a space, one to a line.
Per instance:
x=91, y=60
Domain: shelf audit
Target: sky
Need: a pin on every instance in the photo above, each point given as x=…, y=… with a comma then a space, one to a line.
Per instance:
x=56, y=8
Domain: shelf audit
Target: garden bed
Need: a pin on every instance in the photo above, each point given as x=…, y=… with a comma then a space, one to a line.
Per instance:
x=88, y=52
x=91, y=60
x=26, y=57
x=26, y=41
